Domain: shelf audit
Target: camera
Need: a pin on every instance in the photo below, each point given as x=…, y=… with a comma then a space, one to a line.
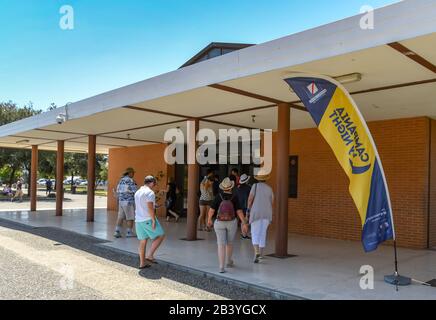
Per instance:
x=61, y=118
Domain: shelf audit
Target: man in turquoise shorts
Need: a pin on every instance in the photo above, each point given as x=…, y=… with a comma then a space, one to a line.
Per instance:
x=147, y=225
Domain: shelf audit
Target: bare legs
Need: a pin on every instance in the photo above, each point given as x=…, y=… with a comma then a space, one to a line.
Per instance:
x=142, y=250
x=154, y=246
x=222, y=256
x=223, y=252
x=130, y=224
x=142, y=247
x=202, y=218
x=172, y=213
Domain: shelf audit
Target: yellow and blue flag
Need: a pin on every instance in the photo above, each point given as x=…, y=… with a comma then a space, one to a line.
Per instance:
x=345, y=130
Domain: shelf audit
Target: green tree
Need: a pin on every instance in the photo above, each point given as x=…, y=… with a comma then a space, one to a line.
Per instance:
x=47, y=164
x=76, y=164
x=17, y=161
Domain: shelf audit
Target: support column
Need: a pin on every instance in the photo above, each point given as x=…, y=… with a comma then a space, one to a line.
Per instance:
x=33, y=178
x=60, y=178
x=193, y=180
x=283, y=133
x=92, y=144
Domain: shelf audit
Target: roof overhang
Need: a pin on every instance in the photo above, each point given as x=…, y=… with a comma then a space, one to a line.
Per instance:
x=226, y=91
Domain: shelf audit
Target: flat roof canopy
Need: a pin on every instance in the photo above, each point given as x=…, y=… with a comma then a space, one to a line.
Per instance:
x=397, y=62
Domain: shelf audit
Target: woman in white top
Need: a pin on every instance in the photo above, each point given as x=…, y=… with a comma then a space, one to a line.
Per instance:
x=260, y=210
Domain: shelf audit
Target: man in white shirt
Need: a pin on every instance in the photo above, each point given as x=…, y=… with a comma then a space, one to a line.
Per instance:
x=147, y=225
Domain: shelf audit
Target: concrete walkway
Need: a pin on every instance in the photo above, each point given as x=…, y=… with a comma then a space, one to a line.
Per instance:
x=323, y=268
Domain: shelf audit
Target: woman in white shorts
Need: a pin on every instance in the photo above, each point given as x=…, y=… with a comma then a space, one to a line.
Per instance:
x=260, y=209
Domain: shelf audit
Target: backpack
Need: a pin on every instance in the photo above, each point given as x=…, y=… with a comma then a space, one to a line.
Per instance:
x=226, y=210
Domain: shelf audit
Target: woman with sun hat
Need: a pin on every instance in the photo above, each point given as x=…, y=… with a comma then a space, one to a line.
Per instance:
x=260, y=210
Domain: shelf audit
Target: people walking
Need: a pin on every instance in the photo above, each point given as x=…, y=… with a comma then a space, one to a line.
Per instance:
x=19, y=193
x=243, y=193
x=48, y=187
x=126, y=189
x=206, y=199
x=260, y=210
x=227, y=207
x=147, y=224
x=171, y=200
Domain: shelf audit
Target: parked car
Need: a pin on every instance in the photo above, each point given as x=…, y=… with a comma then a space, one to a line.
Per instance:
x=68, y=181
x=41, y=182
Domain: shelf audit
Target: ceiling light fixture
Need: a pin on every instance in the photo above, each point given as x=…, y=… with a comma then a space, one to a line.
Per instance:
x=349, y=78
x=346, y=78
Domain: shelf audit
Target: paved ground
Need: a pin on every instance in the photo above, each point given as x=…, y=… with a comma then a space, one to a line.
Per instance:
x=72, y=201
x=322, y=268
x=50, y=263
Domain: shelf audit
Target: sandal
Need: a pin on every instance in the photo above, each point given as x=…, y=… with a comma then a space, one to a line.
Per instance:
x=153, y=261
x=145, y=267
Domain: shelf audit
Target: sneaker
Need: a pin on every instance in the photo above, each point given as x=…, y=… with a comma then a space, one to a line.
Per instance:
x=256, y=258
x=130, y=235
x=245, y=237
x=117, y=234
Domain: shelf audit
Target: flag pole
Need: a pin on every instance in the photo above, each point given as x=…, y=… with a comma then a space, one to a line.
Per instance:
x=396, y=279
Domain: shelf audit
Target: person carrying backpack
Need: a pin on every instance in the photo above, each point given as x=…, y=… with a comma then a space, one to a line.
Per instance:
x=227, y=209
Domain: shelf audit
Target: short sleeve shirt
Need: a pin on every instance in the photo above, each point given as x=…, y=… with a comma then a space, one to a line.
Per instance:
x=126, y=191
x=142, y=197
x=226, y=196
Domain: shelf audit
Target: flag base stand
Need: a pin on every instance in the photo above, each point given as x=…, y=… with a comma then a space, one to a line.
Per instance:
x=397, y=280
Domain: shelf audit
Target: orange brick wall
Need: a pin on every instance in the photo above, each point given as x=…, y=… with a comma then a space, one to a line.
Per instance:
x=324, y=207
x=145, y=160
x=432, y=228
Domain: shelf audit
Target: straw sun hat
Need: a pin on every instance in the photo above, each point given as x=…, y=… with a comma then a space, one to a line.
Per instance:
x=262, y=176
x=227, y=184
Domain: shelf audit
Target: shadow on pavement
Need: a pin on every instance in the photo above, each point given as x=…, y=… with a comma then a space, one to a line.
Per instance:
x=162, y=270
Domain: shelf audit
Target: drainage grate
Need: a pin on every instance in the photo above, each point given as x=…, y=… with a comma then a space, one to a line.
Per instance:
x=432, y=283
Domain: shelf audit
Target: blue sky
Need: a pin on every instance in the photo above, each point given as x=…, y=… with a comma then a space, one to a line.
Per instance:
x=119, y=42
